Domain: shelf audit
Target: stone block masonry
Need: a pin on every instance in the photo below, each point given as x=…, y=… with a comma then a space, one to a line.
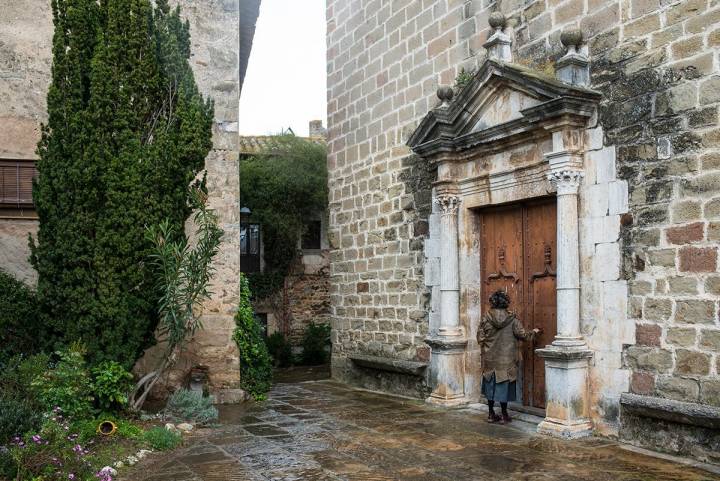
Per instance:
x=215, y=62
x=650, y=208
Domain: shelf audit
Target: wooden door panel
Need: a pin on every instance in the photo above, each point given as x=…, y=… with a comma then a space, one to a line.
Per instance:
x=540, y=246
x=518, y=253
x=502, y=255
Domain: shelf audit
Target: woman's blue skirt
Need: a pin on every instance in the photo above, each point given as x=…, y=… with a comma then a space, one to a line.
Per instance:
x=498, y=391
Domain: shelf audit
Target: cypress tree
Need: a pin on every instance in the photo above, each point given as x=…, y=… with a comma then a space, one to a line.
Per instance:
x=142, y=131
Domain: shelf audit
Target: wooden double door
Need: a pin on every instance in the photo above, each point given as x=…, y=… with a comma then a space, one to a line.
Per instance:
x=519, y=247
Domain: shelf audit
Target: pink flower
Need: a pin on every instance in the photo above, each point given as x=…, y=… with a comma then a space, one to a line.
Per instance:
x=71, y=476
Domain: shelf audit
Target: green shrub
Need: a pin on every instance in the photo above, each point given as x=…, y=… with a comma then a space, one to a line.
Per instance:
x=20, y=410
x=111, y=385
x=191, y=406
x=280, y=349
x=161, y=439
x=20, y=330
x=314, y=344
x=18, y=373
x=68, y=385
x=8, y=469
x=255, y=361
x=17, y=417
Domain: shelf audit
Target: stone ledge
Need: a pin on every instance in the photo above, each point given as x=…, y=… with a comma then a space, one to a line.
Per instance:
x=412, y=368
x=446, y=343
x=562, y=354
x=669, y=410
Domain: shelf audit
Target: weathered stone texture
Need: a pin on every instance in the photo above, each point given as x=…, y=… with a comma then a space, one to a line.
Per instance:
x=15, y=250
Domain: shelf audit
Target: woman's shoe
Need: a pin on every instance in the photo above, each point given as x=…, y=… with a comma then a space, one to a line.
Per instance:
x=493, y=418
x=506, y=419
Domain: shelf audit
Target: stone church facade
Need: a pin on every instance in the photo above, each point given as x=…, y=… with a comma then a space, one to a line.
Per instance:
x=567, y=151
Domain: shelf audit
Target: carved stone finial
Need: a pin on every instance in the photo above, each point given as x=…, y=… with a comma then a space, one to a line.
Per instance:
x=574, y=67
x=571, y=38
x=445, y=94
x=499, y=44
x=497, y=20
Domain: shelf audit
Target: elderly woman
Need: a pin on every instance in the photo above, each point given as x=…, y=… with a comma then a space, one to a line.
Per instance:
x=498, y=337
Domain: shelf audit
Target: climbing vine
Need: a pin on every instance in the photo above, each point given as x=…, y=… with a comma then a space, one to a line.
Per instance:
x=255, y=361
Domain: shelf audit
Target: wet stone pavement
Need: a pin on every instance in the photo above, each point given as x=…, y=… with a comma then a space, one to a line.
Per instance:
x=324, y=430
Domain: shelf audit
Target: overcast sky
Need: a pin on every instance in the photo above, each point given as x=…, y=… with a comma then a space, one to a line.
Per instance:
x=285, y=81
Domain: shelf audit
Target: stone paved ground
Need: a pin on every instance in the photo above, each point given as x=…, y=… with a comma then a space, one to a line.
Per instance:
x=324, y=431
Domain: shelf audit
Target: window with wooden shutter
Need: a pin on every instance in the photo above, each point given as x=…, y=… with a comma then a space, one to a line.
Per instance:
x=16, y=176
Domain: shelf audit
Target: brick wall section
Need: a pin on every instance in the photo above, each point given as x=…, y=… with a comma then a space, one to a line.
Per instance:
x=308, y=302
x=656, y=63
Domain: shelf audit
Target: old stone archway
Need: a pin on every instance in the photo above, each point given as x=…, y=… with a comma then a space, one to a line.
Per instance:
x=511, y=136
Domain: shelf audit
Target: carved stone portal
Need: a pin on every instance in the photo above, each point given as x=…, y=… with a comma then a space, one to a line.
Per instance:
x=510, y=135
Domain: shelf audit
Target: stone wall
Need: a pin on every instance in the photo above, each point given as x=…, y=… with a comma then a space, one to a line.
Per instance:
x=215, y=42
x=649, y=214
x=25, y=58
x=304, y=300
x=25, y=63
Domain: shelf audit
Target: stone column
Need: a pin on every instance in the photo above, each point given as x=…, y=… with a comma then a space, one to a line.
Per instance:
x=447, y=364
x=567, y=358
x=449, y=273
x=568, y=259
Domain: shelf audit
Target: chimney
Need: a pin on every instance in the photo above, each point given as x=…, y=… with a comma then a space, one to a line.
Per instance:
x=317, y=130
x=499, y=44
x=574, y=67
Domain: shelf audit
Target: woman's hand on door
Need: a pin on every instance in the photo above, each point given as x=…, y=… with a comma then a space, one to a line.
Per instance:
x=537, y=331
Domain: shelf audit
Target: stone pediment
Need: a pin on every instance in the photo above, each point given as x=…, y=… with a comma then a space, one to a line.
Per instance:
x=502, y=102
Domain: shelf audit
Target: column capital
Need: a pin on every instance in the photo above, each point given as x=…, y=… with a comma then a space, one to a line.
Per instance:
x=566, y=181
x=448, y=203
